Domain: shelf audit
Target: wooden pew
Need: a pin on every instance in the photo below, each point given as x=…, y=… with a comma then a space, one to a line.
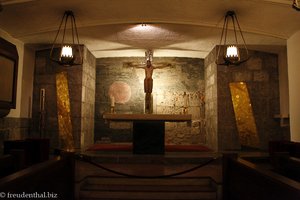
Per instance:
x=243, y=180
x=7, y=165
x=292, y=148
x=52, y=177
x=35, y=149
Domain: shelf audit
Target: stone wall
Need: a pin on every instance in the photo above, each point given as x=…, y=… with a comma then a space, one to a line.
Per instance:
x=185, y=75
x=211, y=100
x=88, y=99
x=80, y=83
x=260, y=73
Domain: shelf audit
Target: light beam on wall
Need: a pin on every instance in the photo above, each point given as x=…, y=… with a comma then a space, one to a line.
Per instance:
x=244, y=116
x=64, y=112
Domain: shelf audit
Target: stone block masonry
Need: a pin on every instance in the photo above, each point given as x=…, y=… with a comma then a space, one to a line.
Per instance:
x=260, y=73
x=169, y=85
x=81, y=80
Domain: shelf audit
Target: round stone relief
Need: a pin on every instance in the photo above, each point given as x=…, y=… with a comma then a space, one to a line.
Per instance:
x=121, y=92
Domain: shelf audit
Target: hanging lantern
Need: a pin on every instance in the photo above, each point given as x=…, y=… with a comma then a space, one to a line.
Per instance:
x=69, y=48
x=231, y=51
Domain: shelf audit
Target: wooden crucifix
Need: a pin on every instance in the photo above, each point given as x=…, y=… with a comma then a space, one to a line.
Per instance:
x=148, y=81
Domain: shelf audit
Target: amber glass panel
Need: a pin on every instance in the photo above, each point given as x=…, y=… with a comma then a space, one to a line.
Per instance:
x=63, y=112
x=244, y=115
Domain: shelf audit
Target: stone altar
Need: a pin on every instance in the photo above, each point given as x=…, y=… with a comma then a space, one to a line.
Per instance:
x=148, y=129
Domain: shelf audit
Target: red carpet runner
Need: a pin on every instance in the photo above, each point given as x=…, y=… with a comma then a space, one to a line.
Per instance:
x=128, y=147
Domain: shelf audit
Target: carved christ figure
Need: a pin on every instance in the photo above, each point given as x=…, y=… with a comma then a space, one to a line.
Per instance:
x=148, y=81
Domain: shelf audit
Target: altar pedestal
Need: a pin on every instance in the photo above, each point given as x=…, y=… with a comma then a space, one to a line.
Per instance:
x=148, y=137
x=148, y=130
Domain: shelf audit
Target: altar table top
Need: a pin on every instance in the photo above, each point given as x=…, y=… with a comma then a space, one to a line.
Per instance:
x=147, y=117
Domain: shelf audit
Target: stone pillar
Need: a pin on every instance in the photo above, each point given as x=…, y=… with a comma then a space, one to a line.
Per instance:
x=88, y=99
x=211, y=96
x=81, y=83
x=260, y=73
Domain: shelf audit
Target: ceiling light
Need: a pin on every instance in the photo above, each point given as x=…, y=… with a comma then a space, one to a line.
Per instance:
x=149, y=55
x=231, y=52
x=143, y=27
x=68, y=51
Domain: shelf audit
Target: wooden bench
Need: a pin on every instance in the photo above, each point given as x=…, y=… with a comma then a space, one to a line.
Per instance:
x=55, y=176
x=245, y=180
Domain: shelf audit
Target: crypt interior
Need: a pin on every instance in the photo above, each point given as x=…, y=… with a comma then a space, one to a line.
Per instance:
x=87, y=126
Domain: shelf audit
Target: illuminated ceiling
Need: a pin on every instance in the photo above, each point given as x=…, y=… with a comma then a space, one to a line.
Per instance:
x=188, y=28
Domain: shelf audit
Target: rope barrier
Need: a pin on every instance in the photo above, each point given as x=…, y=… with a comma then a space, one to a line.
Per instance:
x=87, y=159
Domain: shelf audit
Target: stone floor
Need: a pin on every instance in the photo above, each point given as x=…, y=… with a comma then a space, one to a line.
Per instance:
x=116, y=164
x=148, y=165
x=155, y=165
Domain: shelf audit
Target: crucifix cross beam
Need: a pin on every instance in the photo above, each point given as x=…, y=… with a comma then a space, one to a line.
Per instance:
x=148, y=81
x=149, y=68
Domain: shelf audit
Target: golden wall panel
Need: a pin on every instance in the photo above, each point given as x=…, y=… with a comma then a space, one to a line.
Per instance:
x=244, y=117
x=64, y=112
